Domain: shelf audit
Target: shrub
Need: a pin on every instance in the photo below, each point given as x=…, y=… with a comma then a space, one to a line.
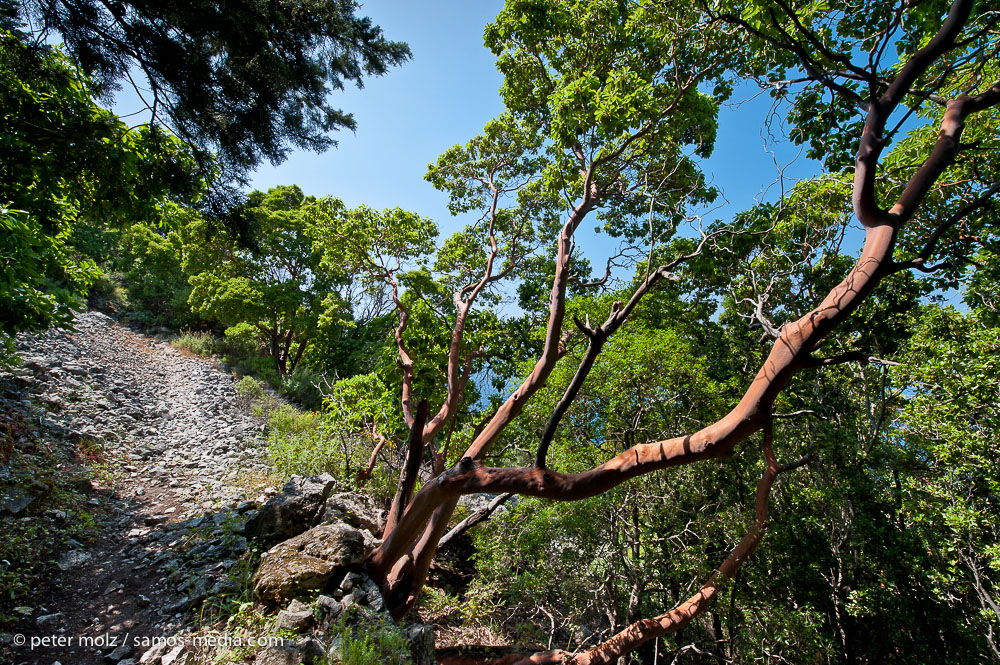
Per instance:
x=249, y=391
x=300, y=385
x=241, y=341
x=198, y=342
x=367, y=639
x=299, y=443
x=151, y=269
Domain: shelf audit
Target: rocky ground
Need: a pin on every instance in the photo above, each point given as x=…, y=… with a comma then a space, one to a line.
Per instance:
x=136, y=500
x=171, y=442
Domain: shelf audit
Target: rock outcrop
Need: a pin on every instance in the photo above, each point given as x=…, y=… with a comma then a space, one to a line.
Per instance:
x=307, y=561
x=296, y=508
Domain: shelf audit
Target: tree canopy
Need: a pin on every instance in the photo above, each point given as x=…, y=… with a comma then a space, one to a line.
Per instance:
x=243, y=81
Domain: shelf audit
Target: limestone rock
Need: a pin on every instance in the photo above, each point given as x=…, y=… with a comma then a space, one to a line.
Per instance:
x=293, y=510
x=421, y=638
x=312, y=650
x=331, y=607
x=297, y=616
x=49, y=621
x=121, y=653
x=279, y=655
x=72, y=559
x=17, y=500
x=154, y=653
x=307, y=561
x=175, y=656
x=356, y=509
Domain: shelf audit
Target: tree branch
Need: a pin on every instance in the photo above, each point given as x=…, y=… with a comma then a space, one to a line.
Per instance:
x=408, y=476
x=475, y=518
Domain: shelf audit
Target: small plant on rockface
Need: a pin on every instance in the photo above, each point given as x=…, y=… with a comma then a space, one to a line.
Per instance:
x=231, y=608
x=245, y=619
x=368, y=638
x=90, y=451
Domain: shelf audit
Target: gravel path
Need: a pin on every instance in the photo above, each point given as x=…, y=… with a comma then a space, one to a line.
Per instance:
x=179, y=443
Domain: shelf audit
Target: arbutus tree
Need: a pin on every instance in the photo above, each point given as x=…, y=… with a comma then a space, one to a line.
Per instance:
x=607, y=108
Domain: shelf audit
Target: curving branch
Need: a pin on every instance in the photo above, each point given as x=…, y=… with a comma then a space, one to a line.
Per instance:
x=644, y=630
x=919, y=262
x=598, y=336
x=365, y=474
x=475, y=518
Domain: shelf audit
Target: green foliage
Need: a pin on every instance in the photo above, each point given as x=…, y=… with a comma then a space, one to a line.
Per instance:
x=67, y=163
x=41, y=283
x=281, y=288
x=948, y=433
x=364, y=402
x=616, y=87
x=198, y=342
x=301, y=386
x=371, y=241
x=150, y=262
x=366, y=639
x=247, y=81
x=242, y=340
x=828, y=118
x=298, y=443
x=250, y=392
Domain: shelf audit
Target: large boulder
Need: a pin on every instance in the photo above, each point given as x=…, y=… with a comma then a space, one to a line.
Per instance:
x=356, y=509
x=296, y=508
x=307, y=561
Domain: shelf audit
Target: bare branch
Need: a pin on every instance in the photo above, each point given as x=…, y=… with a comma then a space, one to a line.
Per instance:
x=475, y=518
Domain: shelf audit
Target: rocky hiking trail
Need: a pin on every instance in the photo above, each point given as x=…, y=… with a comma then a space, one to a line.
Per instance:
x=175, y=440
x=170, y=502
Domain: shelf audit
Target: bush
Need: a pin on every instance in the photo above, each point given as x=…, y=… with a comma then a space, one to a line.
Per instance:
x=311, y=443
x=300, y=385
x=260, y=367
x=241, y=341
x=300, y=443
x=367, y=639
x=198, y=342
x=151, y=270
x=106, y=294
x=249, y=390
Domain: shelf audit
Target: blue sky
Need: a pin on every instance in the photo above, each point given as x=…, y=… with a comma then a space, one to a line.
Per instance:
x=445, y=95
x=406, y=118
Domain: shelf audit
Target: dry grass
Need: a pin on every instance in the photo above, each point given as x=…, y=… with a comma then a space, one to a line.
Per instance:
x=254, y=482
